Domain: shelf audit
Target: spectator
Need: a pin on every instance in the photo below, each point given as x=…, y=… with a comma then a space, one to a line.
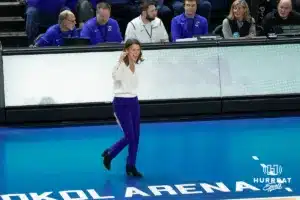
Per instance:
x=102, y=28
x=55, y=34
x=41, y=14
x=126, y=10
x=189, y=23
x=203, y=7
x=239, y=22
x=283, y=16
x=147, y=28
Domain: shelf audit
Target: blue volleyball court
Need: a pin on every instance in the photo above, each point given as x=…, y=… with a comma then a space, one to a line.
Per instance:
x=227, y=159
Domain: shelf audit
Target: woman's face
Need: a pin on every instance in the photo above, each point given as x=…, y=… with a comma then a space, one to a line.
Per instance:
x=239, y=12
x=134, y=52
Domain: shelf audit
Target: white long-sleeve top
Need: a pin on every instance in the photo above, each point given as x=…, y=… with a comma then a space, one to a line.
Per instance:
x=125, y=82
x=152, y=32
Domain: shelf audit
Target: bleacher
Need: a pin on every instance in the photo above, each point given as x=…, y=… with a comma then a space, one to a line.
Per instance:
x=12, y=20
x=12, y=23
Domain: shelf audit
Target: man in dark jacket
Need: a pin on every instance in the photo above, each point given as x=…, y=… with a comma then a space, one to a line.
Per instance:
x=283, y=16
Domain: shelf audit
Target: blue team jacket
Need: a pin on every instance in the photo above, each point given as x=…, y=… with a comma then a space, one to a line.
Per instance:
x=48, y=6
x=110, y=32
x=183, y=27
x=54, y=36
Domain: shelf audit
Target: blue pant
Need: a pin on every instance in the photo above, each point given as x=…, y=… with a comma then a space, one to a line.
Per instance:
x=127, y=113
x=203, y=8
x=36, y=20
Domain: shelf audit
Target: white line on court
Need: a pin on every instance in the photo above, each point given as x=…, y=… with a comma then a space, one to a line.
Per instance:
x=268, y=198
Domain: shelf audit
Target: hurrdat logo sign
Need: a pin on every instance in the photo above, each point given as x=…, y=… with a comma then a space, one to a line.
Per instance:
x=273, y=179
x=130, y=192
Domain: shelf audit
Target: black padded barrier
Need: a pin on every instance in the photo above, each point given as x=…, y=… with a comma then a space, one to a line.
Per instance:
x=266, y=103
x=106, y=48
x=103, y=112
x=2, y=95
x=153, y=110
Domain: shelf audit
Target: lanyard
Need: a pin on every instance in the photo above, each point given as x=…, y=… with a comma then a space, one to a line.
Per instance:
x=149, y=34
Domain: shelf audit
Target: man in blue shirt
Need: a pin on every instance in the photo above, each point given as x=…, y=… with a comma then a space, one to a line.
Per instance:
x=189, y=23
x=203, y=7
x=102, y=28
x=41, y=14
x=64, y=29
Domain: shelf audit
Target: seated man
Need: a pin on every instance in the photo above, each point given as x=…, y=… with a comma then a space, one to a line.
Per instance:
x=189, y=23
x=64, y=29
x=102, y=28
x=147, y=28
x=283, y=16
x=41, y=14
x=203, y=8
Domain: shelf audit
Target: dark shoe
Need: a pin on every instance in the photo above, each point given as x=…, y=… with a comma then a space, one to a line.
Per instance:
x=132, y=171
x=106, y=160
x=105, y=153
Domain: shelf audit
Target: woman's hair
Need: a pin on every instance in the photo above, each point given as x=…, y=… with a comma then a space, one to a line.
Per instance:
x=127, y=45
x=243, y=3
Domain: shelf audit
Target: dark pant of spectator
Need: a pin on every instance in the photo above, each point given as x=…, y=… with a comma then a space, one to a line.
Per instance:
x=166, y=15
x=38, y=22
x=84, y=11
x=124, y=14
x=203, y=8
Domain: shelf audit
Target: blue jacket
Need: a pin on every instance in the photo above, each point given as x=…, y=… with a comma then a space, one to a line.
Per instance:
x=183, y=27
x=54, y=36
x=47, y=6
x=109, y=32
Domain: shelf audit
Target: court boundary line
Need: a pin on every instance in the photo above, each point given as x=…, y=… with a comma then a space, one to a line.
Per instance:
x=263, y=198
